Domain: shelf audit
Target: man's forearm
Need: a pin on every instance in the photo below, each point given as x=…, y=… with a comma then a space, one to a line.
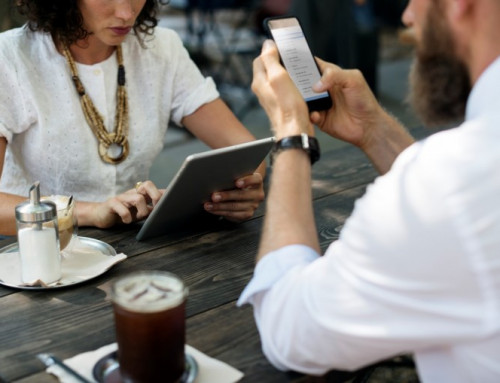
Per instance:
x=387, y=140
x=289, y=215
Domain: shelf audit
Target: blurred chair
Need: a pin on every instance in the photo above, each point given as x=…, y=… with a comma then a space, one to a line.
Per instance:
x=223, y=40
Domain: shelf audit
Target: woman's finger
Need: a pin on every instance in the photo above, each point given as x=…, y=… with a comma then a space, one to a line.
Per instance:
x=149, y=190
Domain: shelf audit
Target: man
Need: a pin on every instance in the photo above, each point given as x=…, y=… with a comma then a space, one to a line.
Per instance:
x=417, y=265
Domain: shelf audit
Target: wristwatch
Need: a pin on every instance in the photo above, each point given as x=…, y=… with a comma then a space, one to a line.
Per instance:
x=309, y=144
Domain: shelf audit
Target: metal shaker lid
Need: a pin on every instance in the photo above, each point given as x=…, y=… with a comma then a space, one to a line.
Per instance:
x=34, y=210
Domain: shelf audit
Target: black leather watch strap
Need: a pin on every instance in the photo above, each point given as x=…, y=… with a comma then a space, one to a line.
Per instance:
x=309, y=144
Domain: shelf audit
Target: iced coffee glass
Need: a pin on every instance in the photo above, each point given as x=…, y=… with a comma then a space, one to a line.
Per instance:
x=66, y=218
x=149, y=310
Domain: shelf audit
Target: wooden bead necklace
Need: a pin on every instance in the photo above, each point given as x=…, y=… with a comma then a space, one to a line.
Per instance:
x=113, y=147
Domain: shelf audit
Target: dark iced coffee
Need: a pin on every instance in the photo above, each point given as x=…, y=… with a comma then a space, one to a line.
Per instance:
x=149, y=309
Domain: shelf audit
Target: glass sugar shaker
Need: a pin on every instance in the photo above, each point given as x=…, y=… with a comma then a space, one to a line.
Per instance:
x=38, y=239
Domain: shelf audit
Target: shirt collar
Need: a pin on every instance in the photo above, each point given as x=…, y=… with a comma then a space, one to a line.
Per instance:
x=484, y=95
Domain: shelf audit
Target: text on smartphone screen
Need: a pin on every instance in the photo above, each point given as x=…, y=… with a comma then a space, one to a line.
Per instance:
x=298, y=60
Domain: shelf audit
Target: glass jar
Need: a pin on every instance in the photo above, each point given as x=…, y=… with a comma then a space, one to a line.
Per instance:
x=38, y=239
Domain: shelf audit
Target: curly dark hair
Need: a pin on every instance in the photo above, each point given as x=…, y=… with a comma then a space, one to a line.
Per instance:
x=62, y=18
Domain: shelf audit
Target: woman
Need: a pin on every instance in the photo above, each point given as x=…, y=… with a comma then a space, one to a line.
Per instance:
x=88, y=89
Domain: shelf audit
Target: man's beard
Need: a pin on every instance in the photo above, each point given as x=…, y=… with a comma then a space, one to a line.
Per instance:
x=439, y=80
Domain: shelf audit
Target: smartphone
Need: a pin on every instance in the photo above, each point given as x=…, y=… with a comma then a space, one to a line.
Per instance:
x=297, y=58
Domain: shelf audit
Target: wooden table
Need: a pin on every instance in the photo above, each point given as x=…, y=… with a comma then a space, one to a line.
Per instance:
x=215, y=263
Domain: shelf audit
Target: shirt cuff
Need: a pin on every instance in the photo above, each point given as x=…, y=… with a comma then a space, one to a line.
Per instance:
x=273, y=266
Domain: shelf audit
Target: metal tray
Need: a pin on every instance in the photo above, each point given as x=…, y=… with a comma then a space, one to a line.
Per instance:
x=96, y=244
x=107, y=369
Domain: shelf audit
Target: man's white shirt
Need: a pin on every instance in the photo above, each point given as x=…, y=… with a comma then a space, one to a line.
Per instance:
x=416, y=268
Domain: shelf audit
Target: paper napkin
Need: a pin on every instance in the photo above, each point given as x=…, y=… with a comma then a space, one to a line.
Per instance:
x=210, y=370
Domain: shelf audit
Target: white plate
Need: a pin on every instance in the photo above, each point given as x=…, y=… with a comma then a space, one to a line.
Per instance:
x=98, y=252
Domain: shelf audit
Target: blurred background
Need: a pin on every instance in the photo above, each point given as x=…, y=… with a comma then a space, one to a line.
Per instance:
x=224, y=36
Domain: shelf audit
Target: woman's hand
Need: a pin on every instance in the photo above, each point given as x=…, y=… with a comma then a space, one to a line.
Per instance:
x=238, y=204
x=131, y=206
x=218, y=127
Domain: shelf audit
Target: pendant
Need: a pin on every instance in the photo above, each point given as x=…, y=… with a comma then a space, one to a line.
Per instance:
x=114, y=153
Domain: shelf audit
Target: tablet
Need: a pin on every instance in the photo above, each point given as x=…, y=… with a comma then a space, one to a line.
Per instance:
x=199, y=176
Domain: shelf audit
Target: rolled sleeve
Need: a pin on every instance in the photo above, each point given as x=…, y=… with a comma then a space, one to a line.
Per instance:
x=204, y=93
x=273, y=267
x=191, y=88
x=16, y=115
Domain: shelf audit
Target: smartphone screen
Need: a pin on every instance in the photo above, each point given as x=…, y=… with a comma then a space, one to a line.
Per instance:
x=298, y=59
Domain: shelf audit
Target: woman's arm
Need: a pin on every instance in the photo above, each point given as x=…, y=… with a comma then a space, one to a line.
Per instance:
x=8, y=202
x=216, y=125
x=127, y=207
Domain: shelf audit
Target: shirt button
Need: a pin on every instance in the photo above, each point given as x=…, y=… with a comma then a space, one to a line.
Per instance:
x=97, y=72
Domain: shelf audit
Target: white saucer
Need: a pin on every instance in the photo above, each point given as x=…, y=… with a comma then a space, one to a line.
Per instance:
x=89, y=259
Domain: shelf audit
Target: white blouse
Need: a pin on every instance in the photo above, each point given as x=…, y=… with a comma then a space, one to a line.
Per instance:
x=43, y=122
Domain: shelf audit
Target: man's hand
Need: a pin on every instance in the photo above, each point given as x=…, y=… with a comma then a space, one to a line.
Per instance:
x=278, y=95
x=355, y=111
